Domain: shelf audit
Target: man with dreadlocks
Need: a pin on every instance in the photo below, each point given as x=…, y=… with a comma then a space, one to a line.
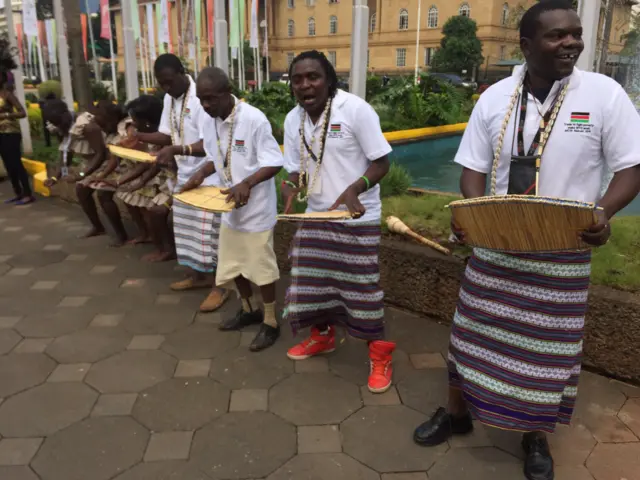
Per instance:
x=336, y=155
x=516, y=341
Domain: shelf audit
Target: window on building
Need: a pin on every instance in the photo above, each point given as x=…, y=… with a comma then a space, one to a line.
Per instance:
x=312, y=27
x=332, y=58
x=429, y=52
x=290, y=57
x=333, y=1
x=503, y=52
x=465, y=10
x=310, y=3
x=372, y=23
x=291, y=3
x=291, y=28
x=432, y=18
x=403, y=20
x=367, y=58
x=505, y=14
x=333, y=25
x=401, y=57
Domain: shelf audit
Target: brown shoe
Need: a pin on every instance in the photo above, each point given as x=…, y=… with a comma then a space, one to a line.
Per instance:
x=214, y=300
x=189, y=284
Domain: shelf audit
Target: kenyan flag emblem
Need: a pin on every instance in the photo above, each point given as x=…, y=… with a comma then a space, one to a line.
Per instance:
x=239, y=143
x=336, y=128
x=578, y=117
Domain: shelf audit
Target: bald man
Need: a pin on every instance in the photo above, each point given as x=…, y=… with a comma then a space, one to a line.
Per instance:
x=237, y=140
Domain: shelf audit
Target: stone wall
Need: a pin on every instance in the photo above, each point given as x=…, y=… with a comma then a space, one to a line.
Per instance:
x=420, y=280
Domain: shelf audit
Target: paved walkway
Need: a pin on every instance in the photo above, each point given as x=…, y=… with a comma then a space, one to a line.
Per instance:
x=106, y=374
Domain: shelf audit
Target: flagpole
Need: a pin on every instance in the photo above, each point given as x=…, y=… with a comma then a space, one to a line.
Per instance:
x=240, y=48
x=415, y=78
x=142, y=69
x=114, y=73
x=43, y=71
x=130, y=63
x=221, y=40
x=96, y=70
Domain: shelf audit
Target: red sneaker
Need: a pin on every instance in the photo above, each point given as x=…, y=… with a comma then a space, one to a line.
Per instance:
x=316, y=344
x=381, y=368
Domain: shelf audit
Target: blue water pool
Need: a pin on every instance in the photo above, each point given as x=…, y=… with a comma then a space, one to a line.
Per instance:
x=430, y=163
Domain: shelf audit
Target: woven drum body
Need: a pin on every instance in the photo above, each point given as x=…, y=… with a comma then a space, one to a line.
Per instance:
x=316, y=216
x=520, y=223
x=206, y=198
x=130, y=154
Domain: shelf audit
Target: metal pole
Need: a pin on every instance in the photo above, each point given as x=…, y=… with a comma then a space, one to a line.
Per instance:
x=19, y=78
x=114, y=73
x=359, y=44
x=130, y=63
x=221, y=36
x=43, y=68
x=416, y=76
x=63, y=54
x=96, y=69
x=590, y=15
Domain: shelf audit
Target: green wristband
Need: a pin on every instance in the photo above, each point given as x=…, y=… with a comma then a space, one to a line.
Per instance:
x=290, y=183
x=366, y=180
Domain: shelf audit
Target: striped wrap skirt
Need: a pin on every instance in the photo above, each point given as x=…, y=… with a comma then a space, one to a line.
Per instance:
x=335, y=278
x=516, y=340
x=196, y=234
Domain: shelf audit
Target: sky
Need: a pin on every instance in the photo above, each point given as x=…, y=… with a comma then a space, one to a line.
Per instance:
x=94, y=6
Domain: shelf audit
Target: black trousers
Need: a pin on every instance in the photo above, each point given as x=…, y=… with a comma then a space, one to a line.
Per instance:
x=11, y=153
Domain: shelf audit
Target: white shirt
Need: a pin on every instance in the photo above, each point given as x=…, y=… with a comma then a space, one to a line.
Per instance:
x=354, y=140
x=193, y=116
x=253, y=147
x=577, y=154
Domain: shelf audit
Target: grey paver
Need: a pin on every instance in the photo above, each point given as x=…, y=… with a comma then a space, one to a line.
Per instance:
x=114, y=404
x=615, y=461
x=296, y=399
x=52, y=248
x=424, y=390
x=193, y=368
x=319, y=439
x=102, y=269
x=327, y=466
x=19, y=272
x=107, y=320
x=33, y=345
x=240, y=368
x=97, y=448
x=45, y=409
x=131, y=371
x=17, y=473
x=405, y=476
x=249, y=400
x=21, y=371
x=221, y=449
x=18, y=451
x=571, y=445
x=89, y=345
x=427, y=360
x=168, y=446
x=75, y=257
x=168, y=299
x=73, y=301
x=146, y=342
x=53, y=324
x=169, y=470
x=178, y=405
x=8, y=322
x=157, y=319
x=630, y=415
x=72, y=372
x=45, y=285
x=390, y=397
x=476, y=463
x=577, y=472
x=312, y=365
x=199, y=341
x=8, y=340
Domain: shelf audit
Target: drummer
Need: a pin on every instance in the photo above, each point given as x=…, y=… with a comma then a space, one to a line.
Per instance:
x=516, y=343
x=196, y=231
x=339, y=161
x=238, y=139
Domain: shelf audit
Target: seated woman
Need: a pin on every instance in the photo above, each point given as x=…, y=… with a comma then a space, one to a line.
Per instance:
x=146, y=188
x=87, y=136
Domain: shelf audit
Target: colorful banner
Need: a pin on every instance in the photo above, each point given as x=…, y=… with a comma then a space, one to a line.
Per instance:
x=198, y=18
x=151, y=32
x=105, y=20
x=234, y=24
x=163, y=24
x=19, y=35
x=51, y=40
x=83, y=22
x=135, y=18
x=253, y=39
x=29, y=18
x=210, y=21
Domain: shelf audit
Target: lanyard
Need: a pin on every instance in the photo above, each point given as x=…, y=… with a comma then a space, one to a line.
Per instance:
x=523, y=115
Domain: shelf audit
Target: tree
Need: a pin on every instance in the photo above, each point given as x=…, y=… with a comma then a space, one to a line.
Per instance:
x=80, y=70
x=460, y=47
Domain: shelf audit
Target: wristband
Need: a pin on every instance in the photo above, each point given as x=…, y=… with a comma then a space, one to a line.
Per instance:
x=190, y=150
x=366, y=180
x=289, y=183
x=53, y=178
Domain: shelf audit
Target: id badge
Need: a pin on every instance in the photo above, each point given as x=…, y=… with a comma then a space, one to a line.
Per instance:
x=64, y=171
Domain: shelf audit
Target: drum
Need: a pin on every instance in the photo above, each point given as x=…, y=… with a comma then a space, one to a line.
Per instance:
x=333, y=215
x=206, y=198
x=523, y=223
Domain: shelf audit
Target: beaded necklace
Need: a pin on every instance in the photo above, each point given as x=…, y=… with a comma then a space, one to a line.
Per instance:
x=227, y=157
x=306, y=152
x=177, y=138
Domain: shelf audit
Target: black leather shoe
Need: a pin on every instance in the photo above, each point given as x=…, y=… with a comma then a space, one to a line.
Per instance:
x=267, y=336
x=441, y=427
x=242, y=319
x=538, y=464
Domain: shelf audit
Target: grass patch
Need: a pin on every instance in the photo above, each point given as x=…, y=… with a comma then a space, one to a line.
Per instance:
x=617, y=264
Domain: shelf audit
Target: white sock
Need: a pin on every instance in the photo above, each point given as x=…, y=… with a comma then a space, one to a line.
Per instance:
x=270, y=314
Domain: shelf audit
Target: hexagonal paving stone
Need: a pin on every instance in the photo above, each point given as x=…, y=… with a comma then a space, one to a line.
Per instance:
x=131, y=371
x=597, y=396
x=425, y=390
x=21, y=371
x=173, y=470
x=415, y=334
x=476, y=463
x=181, y=404
x=17, y=473
x=53, y=324
x=369, y=434
x=37, y=258
x=158, y=319
x=200, y=341
x=45, y=409
x=8, y=340
x=615, y=461
x=97, y=448
x=243, y=445
x=571, y=445
x=630, y=415
x=4, y=268
x=240, y=368
x=578, y=472
x=314, y=399
x=323, y=466
x=89, y=345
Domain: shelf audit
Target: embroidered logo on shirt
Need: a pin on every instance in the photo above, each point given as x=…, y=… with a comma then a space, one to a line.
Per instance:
x=335, y=130
x=579, y=122
x=238, y=146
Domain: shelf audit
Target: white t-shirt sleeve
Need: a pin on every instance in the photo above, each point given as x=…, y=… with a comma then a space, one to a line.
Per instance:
x=291, y=146
x=368, y=132
x=165, y=127
x=620, y=132
x=268, y=150
x=475, y=151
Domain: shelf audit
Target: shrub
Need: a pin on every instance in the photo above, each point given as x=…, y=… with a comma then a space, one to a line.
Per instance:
x=99, y=91
x=31, y=97
x=45, y=154
x=50, y=87
x=35, y=121
x=396, y=182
